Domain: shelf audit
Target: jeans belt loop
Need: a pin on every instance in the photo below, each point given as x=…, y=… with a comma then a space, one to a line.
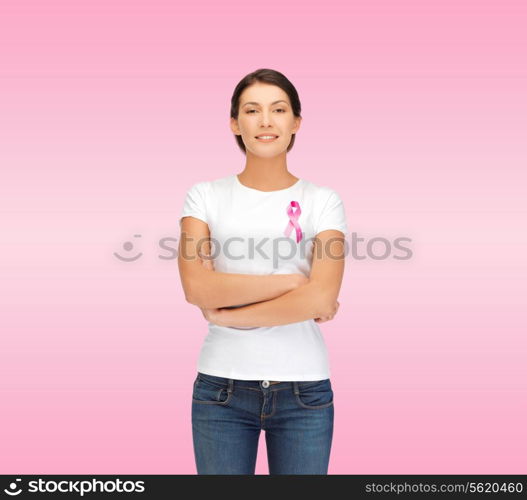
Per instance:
x=295, y=388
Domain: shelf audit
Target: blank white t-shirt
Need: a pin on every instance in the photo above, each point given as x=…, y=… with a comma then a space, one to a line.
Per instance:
x=256, y=232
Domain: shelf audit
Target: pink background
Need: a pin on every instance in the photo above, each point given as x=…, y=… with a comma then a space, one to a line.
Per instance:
x=415, y=112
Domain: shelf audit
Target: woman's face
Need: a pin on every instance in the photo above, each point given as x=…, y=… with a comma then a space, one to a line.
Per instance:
x=265, y=109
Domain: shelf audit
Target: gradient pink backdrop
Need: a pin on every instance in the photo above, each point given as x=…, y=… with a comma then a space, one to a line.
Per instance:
x=415, y=112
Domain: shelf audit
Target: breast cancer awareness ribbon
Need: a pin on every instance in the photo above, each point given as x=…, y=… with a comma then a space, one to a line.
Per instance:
x=293, y=220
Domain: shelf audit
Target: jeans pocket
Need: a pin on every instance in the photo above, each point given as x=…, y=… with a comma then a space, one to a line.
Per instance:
x=314, y=395
x=209, y=392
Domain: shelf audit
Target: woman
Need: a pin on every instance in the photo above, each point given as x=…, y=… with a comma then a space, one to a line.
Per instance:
x=272, y=273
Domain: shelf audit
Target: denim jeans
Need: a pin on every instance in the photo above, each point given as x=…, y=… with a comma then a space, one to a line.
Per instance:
x=228, y=415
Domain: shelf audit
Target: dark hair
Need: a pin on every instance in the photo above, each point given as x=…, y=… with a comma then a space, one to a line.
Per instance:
x=273, y=77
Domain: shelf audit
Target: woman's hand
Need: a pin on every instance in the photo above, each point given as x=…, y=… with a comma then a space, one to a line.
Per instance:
x=330, y=317
x=207, y=262
x=300, y=279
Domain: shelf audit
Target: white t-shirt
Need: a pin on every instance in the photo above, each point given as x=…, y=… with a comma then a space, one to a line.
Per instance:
x=256, y=232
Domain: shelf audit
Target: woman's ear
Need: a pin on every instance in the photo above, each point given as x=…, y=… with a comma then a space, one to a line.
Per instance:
x=234, y=126
x=298, y=121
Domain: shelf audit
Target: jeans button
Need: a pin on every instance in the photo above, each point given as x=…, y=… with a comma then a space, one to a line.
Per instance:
x=266, y=384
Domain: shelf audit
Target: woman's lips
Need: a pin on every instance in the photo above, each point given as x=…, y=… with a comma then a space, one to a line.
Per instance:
x=266, y=140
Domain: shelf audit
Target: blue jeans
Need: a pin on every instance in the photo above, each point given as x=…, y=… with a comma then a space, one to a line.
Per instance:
x=228, y=415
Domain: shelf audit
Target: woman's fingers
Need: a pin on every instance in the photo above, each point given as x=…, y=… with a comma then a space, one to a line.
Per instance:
x=208, y=263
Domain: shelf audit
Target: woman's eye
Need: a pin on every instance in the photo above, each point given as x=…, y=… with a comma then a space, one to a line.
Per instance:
x=279, y=109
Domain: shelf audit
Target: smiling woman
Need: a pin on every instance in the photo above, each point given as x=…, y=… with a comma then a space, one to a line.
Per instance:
x=285, y=110
x=264, y=291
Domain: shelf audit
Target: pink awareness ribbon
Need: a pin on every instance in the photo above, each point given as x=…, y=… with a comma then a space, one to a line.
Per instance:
x=293, y=218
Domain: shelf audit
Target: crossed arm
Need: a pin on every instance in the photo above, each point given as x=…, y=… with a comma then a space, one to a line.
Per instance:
x=272, y=299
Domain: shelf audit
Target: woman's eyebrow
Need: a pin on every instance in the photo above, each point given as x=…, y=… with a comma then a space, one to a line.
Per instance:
x=258, y=104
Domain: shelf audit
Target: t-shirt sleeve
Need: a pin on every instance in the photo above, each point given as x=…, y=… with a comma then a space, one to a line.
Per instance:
x=194, y=203
x=332, y=214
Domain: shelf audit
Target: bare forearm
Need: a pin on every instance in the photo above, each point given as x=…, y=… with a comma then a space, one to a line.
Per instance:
x=303, y=303
x=212, y=289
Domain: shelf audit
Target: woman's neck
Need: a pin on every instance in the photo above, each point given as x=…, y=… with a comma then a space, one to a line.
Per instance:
x=267, y=178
